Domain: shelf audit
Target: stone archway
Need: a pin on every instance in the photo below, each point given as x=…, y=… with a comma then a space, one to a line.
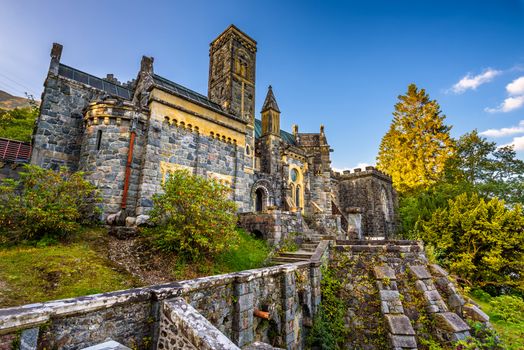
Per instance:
x=261, y=195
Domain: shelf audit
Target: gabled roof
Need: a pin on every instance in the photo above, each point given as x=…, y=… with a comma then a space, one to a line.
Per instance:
x=286, y=136
x=270, y=102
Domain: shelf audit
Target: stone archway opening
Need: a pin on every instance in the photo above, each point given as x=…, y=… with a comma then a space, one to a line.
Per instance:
x=260, y=200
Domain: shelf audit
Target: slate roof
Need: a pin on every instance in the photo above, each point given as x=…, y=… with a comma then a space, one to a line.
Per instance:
x=286, y=136
x=97, y=83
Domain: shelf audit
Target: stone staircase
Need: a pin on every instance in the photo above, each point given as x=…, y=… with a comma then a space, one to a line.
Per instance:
x=403, y=275
x=305, y=250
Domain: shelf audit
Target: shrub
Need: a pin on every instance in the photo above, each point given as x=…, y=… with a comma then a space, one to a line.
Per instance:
x=509, y=308
x=480, y=240
x=45, y=203
x=193, y=217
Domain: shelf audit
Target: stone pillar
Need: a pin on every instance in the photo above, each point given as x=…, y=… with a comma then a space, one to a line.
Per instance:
x=243, y=332
x=315, y=277
x=288, y=306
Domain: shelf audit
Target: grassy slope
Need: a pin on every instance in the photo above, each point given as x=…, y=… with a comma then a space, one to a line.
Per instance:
x=510, y=333
x=33, y=274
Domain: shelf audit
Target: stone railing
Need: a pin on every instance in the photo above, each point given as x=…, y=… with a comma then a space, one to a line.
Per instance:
x=224, y=304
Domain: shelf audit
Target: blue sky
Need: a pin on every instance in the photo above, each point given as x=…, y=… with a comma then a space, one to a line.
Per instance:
x=337, y=63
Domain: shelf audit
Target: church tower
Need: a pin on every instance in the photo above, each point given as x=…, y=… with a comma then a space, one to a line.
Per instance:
x=232, y=73
x=270, y=115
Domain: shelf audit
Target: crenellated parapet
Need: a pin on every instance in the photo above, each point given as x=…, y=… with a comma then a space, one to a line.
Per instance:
x=359, y=172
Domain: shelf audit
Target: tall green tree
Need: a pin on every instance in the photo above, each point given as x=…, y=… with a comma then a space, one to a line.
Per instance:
x=491, y=171
x=417, y=146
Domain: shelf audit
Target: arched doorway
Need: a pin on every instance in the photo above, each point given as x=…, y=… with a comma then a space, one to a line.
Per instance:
x=259, y=199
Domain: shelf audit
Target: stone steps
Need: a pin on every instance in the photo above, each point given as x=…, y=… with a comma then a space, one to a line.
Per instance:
x=298, y=254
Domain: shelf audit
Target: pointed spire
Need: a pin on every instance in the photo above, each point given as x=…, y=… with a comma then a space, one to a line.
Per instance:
x=270, y=102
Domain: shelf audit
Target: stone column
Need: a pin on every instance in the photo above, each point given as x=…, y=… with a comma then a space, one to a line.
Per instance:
x=288, y=306
x=315, y=277
x=243, y=333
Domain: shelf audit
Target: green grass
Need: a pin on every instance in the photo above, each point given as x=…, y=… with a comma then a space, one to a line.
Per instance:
x=31, y=274
x=36, y=273
x=250, y=253
x=512, y=334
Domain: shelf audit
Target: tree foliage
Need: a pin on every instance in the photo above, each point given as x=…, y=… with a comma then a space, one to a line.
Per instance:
x=480, y=240
x=45, y=203
x=492, y=171
x=417, y=145
x=18, y=124
x=193, y=217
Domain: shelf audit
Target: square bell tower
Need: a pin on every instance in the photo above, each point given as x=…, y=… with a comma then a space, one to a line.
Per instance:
x=232, y=63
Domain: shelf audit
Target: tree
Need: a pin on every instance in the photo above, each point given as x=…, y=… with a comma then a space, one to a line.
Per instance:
x=18, y=124
x=417, y=145
x=480, y=240
x=492, y=171
x=193, y=217
x=45, y=203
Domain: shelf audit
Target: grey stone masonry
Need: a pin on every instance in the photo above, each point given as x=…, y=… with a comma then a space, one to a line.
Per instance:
x=183, y=327
x=133, y=316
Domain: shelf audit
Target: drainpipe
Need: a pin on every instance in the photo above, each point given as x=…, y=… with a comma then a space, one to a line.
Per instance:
x=128, y=164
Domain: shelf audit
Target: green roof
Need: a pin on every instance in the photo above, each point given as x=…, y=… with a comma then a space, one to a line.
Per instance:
x=286, y=136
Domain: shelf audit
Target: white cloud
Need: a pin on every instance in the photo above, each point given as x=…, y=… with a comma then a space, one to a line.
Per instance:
x=516, y=87
x=509, y=104
x=517, y=143
x=470, y=82
x=503, y=132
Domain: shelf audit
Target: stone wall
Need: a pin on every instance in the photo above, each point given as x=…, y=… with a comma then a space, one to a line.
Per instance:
x=371, y=193
x=273, y=225
x=137, y=317
x=58, y=135
x=171, y=147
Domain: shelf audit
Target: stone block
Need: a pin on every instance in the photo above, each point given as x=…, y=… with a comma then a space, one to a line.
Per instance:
x=389, y=295
x=432, y=295
x=421, y=286
x=108, y=345
x=399, y=325
x=474, y=313
x=29, y=339
x=450, y=322
x=438, y=271
x=403, y=341
x=384, y=272
x=419, y=272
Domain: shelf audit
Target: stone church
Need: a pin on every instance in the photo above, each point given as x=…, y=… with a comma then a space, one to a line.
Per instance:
x=128, y=137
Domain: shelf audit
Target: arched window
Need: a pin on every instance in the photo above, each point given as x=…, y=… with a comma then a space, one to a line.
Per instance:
x=98, y=139
x=292, y=189
x=248, y=151
x=297, y=196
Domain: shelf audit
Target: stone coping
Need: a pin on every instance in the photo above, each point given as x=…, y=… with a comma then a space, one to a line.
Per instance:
x=30, y=315
x=203, y=334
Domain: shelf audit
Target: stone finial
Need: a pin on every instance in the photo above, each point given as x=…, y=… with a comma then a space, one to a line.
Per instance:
x=146, y=65
x=294, y=129
x=56, y=51
x=321, y=129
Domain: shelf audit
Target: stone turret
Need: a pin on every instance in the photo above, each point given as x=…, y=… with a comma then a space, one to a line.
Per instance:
x=270, y=115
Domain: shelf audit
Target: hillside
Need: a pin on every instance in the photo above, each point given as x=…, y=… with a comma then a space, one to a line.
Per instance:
x=8, y=101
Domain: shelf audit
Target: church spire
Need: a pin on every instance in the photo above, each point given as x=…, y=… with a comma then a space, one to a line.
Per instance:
x=270, y=102
x=270, y=115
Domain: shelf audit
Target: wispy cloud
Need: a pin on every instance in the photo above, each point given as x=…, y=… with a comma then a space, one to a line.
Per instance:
x=515, y=100
x=517, y=143
x=509, y=104
x=503, y=132
x=359, y=165
x=472, y=82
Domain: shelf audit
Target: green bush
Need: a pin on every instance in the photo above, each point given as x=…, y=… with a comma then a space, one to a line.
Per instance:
x=479, y=240
x=509, y=308
x=45, y=203
x=17, y=124
x=193, y=217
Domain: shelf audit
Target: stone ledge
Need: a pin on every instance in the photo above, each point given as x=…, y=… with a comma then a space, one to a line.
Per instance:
x=451, y=322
